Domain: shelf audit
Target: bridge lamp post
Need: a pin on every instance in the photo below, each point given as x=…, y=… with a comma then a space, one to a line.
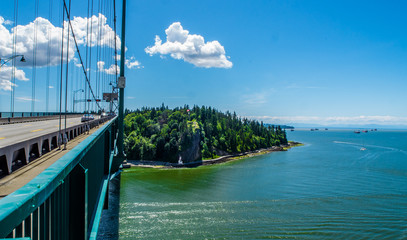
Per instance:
x=74, y=94
x=4, y=61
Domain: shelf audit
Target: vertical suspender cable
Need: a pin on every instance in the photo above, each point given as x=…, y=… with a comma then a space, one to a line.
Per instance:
x=59, y=68
x=74, y=82
x=109, y=77
x=105, y=56
x=90, y=51
x=67, y=70
x=34, y=67
x=87, y=54
x=60, y=91
x=13, y=71
x=78, y=85
x=48, y=58
x=115, y=53
x=97, y=77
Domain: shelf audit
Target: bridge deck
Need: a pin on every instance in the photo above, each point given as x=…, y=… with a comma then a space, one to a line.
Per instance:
x=23, y=175
x=18, y=132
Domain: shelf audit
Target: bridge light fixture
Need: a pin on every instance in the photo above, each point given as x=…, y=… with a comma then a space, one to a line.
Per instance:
x=2, y=62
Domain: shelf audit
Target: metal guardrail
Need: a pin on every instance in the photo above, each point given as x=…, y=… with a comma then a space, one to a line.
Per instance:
x=33, y=114
x=31, y=117
x=18, y=154
x=64, y=201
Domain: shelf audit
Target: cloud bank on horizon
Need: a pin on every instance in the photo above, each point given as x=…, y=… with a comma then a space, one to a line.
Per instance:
x=191, y=48
x=355, y=120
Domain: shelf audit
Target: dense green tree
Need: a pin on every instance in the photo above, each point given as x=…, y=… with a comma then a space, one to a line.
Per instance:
x=162, y=134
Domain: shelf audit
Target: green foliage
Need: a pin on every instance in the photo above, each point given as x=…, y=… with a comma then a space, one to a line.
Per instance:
x=162, y=133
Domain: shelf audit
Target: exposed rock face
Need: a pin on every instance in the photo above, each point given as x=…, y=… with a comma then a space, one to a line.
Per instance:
x=221, y=153
x=193, y=153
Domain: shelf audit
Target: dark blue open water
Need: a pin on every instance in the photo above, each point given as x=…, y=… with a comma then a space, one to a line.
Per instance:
x=327, y=189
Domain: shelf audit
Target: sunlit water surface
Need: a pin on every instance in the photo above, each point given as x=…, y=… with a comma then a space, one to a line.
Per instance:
x=327, y=189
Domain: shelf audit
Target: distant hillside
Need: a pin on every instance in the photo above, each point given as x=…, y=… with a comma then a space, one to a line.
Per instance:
x=348, y=126
x=192, y=134
x=281, y=126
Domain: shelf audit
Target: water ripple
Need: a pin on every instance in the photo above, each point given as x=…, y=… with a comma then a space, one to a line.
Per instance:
x=326, y=190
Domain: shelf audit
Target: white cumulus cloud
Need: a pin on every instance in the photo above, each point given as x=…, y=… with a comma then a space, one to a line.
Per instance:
x=6, y=73
x=47, y=34
x=47, y=42
x=191, y=48
x=102, y=34
x=130, y=64
x=111, y=70
x=49, y=37
x=5, y=22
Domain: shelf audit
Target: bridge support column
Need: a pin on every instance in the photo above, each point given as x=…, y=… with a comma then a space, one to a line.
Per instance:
x=9, y=159
x=27, y=154
x=40, y=147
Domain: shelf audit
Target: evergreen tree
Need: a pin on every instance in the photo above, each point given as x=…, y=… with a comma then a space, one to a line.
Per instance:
x=162, y=133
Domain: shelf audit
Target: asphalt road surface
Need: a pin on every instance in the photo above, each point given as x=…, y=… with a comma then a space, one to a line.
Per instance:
x=13, y=133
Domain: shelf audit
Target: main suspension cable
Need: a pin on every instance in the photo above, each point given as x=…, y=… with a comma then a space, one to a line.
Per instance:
x=79, y=54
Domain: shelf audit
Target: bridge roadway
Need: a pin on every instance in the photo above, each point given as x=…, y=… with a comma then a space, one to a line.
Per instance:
x=18, y=132
x=23, y=175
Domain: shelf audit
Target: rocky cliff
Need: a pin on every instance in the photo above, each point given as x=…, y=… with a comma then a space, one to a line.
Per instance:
x=193, y=153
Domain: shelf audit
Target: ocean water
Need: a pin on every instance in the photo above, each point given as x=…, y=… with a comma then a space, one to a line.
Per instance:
x=326, y=189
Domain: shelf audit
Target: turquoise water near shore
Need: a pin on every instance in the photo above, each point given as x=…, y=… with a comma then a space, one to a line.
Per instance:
x=326, y=189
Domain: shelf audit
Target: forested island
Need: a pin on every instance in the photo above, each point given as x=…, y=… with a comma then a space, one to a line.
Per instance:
x=192, y=134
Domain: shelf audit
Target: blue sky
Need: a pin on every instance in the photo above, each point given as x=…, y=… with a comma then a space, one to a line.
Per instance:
x=321, y=62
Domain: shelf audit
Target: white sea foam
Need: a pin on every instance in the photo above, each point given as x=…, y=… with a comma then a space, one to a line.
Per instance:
x=371, y=146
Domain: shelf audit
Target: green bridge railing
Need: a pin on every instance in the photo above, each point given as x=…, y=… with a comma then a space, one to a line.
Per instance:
x=66, y=200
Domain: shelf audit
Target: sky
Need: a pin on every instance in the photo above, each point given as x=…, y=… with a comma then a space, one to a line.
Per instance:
x=284, y=62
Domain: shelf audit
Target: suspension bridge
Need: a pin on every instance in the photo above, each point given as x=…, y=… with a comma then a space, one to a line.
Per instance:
x=55, y=165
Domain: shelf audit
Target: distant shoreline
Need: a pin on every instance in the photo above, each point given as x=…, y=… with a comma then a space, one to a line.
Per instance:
x=222, y=159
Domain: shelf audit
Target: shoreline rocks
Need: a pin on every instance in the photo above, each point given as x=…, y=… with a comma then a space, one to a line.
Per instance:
x=221, y=159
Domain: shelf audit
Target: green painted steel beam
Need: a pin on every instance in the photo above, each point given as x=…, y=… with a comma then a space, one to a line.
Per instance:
x=102, y=196
x=22, y=238
x=20, y=204
x=96, y=222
